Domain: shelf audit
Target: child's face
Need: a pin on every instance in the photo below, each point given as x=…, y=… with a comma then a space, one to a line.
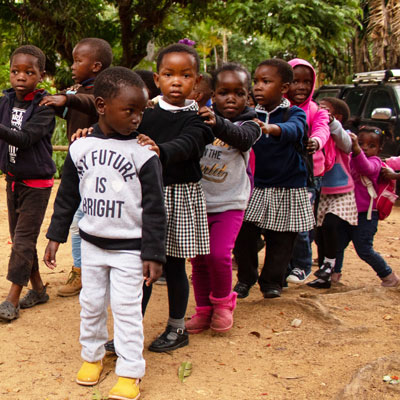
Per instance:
x=177, y=77
x=268, y=87
x=84, y=66
x=369, y=143
x=123, y=113
x=302, y=85
x=24, y=74
x=230, y=96
x=328, y=106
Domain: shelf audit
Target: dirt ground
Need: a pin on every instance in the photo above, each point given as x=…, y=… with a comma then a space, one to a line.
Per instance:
x=347, y=341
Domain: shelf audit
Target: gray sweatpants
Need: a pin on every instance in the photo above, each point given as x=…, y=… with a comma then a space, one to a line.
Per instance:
x=115, y=276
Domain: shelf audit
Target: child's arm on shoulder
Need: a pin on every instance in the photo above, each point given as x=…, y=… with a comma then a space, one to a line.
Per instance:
x=319, y=133
x=32, y=131
x=293, y=129
x=144, y=140
x=190, y=143
x=81, y=102
x=154, y=220
x=242, y=137
x=340, y=136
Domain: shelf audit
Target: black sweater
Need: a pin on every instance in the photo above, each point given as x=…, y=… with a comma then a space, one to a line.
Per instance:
x=33, y=158
x=182, y=138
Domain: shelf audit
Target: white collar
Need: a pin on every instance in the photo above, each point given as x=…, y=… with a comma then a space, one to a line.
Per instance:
x=190, y=105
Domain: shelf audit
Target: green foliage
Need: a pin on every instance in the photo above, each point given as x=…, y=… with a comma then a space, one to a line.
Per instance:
x=59, y=138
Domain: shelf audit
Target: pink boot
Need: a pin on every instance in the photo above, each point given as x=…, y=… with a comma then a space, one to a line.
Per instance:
x=222, y=317
x=200, y=321
x=391, y=280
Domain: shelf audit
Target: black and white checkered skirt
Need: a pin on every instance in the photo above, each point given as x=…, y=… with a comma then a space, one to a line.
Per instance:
x=187, y=226
x=280, y=209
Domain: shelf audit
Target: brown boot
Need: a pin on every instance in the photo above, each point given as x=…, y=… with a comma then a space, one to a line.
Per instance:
x=73, y=285
x=391, y=280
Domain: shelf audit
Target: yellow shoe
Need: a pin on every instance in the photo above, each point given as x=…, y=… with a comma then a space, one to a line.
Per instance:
x=125, y=389
x=89, y=373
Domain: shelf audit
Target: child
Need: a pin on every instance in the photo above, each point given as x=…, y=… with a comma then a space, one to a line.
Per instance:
x=91, y=56
x=227, y=189
x=122, y=230
x=337, y=206
x=300, y=94
x=279, y=203
x=181, y=137
x=366, y=163
x=25, y=159
x=203, y=91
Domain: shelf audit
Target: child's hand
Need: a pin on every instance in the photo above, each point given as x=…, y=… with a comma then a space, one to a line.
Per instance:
x=144, y=140
x=262, y=125
x=354, y=144
x=208, y=115
x=81, y=133
x=50, y=254
x=331, y=117
x=312, y=145
x=388, y=174
x=152, y=270
x=58, y=100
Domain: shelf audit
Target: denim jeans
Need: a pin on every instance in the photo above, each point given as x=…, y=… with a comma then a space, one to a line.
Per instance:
x=362, y=237
x=75, y=238
x=302, y=252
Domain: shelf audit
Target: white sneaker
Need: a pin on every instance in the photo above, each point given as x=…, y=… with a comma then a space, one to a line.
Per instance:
x=297, y=276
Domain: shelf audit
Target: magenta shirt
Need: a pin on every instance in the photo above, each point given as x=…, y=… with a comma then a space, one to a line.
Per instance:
x=369, y=167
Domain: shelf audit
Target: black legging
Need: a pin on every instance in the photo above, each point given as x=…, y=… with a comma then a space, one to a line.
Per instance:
x=327, y=237
x=178, y=288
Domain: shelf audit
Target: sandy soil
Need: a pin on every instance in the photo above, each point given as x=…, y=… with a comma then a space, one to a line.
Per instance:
x=348, y=339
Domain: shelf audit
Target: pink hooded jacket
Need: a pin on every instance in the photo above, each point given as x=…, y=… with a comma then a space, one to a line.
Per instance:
x=317, y=120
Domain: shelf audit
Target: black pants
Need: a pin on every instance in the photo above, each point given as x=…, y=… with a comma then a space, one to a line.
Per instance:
x=26, y=210
x=279, y=248
x=177, y=285
x=328, y=237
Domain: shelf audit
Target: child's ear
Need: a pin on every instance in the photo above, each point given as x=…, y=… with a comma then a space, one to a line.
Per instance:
x=156, y=78
x=285, y=87
x=100, y=105
x=97, y=66
x=198, y=80
x=42, y=75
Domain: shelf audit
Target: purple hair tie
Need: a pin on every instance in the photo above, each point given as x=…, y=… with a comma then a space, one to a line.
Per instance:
x=187, y=41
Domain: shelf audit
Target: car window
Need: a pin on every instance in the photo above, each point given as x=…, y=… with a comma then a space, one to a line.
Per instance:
x=378, y=98
x=353, y=99
x=326, y=93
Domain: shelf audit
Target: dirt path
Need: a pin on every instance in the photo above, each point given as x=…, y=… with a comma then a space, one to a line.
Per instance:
x=349, y=334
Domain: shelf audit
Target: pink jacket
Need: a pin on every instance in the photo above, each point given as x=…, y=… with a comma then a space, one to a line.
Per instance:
x=369, y=167
x=317, y=120
x=394, y=163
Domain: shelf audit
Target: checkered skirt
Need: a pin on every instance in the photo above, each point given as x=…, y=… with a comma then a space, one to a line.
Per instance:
x=343, y=205
x=187, y=226
x=280, y=209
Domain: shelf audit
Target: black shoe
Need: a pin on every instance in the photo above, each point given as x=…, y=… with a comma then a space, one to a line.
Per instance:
x=242, y=290
x=109, y=346
x=324, y=272
x=170, y=339
x=271, y=293
x=319, y=284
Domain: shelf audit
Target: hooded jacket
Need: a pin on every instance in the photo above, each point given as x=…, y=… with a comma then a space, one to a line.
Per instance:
x=317, y=121
x=33, y=140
